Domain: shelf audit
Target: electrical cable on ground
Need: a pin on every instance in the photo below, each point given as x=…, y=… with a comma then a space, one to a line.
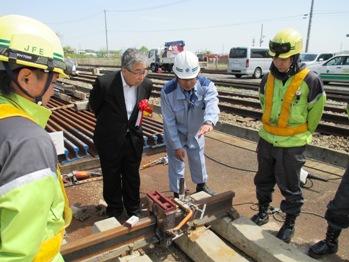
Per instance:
x=308, y=184
x=276, y=213
x=309, y=180
x=312, y=213
x=229, y=166
x=332, y=179
x=312, y=167
x=246, y=203
x=241, y=147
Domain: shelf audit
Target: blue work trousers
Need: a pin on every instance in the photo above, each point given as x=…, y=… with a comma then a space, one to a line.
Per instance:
x=176, y=167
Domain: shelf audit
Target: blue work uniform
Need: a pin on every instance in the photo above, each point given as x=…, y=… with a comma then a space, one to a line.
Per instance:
x=183, y=114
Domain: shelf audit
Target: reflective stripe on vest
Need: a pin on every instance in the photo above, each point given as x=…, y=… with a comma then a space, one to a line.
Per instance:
x=282, y=128
x=50, y=247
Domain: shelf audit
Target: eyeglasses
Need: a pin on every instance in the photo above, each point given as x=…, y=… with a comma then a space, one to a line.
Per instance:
x=138, y=73
x=280, y=48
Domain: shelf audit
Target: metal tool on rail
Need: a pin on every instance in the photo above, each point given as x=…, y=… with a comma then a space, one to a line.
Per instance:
x=167, y=220
x=178, y=216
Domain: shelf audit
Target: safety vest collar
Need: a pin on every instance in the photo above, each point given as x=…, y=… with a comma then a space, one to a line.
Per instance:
x=282, y=128
x=38, y=114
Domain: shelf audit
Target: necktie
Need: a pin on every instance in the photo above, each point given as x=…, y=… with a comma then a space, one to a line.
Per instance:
x=190, y=97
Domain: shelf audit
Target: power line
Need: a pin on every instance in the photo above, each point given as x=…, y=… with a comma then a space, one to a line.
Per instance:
x=209, y=27
x=76, y=20
x=330, y=12
x=80, y=19
x=181, y=29
x=146, y=8
x=265, y=20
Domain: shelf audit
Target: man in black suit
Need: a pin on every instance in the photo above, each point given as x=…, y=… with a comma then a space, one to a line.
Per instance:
x=114, y=100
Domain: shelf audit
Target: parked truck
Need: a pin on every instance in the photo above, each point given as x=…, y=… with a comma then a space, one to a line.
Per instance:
x=163, y=58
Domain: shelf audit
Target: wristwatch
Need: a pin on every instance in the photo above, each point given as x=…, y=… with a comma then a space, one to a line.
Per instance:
x=208, y=122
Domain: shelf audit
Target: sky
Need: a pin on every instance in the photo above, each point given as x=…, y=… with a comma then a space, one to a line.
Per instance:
x=215, y=25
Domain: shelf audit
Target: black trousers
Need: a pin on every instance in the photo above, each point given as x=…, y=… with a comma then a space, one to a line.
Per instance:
x=337, y=213
x=281, y=166
x=121, y=181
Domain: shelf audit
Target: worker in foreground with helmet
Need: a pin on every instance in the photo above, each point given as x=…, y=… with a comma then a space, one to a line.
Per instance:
x=337, y=216
x=33, y=205
x=189, y=106
x=292, y=100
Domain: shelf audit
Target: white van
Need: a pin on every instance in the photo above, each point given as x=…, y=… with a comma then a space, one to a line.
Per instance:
x=315, y=58
x=253, y=61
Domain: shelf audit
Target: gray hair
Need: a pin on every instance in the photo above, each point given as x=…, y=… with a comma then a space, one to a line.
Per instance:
x=132, y=56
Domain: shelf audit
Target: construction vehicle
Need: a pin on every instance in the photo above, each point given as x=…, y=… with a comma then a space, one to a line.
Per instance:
x=163, y=58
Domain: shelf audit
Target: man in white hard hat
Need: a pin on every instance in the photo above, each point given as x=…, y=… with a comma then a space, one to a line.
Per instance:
x=189, y=106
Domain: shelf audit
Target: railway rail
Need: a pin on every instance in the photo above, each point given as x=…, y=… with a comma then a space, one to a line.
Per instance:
x=340, y=95
x=334, y=122
x=333, y=94
x=164, y=215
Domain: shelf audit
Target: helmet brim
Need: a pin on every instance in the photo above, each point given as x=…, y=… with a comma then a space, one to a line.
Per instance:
x=60, y=71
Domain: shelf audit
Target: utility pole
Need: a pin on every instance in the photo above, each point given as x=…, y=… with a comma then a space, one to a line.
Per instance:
x=106, y=31
x=341, y=46
x=262, y=36
x=309, y=25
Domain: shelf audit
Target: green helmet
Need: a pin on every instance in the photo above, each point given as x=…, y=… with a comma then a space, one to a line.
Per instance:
x=286, y=43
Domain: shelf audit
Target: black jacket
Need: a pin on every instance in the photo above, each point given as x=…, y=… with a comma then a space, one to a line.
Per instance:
x=108, y=103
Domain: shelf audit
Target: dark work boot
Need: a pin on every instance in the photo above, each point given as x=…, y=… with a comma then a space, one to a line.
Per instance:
x=205, y=188
x=262, y=216
x=286, y=232
x=175, y=195
x=327, y=246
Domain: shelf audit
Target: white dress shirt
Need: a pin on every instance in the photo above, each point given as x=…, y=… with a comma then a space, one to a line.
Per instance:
x=130, y=96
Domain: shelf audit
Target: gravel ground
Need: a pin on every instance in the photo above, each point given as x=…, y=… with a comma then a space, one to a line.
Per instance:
x=327, y=141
